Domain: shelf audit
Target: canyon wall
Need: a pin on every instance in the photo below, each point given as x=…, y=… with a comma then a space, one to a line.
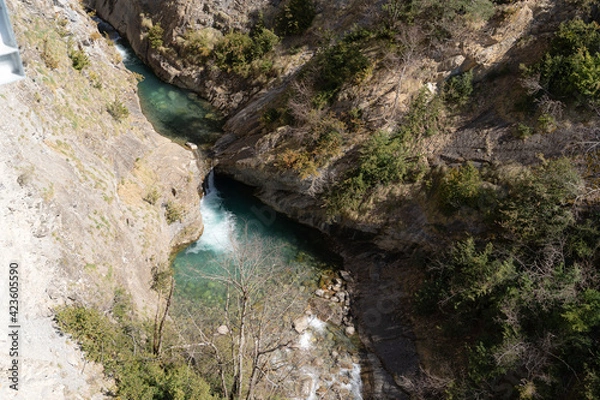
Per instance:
x=86, y=190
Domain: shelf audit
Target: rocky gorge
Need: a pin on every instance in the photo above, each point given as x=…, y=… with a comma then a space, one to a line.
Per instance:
x=397, y=221
x=249, y=150
x=296, y=133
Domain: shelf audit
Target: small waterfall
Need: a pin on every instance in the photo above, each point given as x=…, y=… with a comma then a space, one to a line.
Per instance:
x=219, y=224
x=125, y=52
x=106, y=29
x=346, y=382
x=182, y=116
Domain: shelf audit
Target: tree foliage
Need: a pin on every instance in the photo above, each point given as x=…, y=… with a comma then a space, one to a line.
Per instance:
x=340, y=64
x=79, y=59
x=461, y=186
x=458, y=89
x=571, y=68
x=537, y=208
x=121, y=347
x=295, y=17
x=527, y=296
x=236, y=50
x=155, y=36
x=384, y=160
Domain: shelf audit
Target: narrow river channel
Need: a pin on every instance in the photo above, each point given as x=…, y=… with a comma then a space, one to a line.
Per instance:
x=314, y=361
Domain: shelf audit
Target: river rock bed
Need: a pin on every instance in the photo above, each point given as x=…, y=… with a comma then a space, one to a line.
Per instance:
x=324, y=357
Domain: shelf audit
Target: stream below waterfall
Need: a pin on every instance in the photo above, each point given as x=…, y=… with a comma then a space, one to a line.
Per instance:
x=308, y=357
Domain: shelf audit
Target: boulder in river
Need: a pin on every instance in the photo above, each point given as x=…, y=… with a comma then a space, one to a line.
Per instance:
x=301, y=323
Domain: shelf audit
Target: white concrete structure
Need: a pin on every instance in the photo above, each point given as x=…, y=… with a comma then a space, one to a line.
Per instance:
x=11, y=67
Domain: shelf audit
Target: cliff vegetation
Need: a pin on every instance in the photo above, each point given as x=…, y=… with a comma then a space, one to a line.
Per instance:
x=458, y=136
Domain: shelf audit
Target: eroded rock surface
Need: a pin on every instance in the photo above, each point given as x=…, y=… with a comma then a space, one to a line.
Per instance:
x=83, y=196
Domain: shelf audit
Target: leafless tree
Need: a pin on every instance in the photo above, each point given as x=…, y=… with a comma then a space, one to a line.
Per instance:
x=409, y=36
x=301, y=106
x=424, y=385
x=260, y=292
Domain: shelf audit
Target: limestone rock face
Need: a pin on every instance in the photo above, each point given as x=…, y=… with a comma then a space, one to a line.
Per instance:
x=133, y=19
x=501, y=41
x=83, y=194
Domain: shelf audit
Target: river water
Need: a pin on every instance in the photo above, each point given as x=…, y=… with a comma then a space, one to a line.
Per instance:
x=321, y=362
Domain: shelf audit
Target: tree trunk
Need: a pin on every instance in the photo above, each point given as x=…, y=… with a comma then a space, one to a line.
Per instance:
x=158, y=330
x=238, y=379
x=255, y=368
x=242, y=346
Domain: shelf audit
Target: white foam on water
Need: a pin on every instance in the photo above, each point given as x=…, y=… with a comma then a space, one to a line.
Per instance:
x=305, y=341
x=219, y=224
x=354, y=385
x=314, y=386
x=317, y=325
x=125, y=53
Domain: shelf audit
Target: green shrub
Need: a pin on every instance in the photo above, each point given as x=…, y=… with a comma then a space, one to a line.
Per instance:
x=233, y=51
x=117, y=110
x=424, y=117
x=263, y=41
x=477, y=9
x=547, y=123
x=458, y=89
x=341, y=64
x=95, y=80
x=323, y=143
x=524, y=291
x=242, y=53
x=328, y=144
x=91, y=329
x=537, y=208
x=441, y=12
x=295, y=17
x=460, y=187
x=124, y=352
x=79, y=59
x=197, y=45
x=585, y=315
x=152, y=196
x=384, y=160
x=523, y=131
x=571, y=68
x=155, y=36
x=300, y=160
x=473, y=273
x=173, y=212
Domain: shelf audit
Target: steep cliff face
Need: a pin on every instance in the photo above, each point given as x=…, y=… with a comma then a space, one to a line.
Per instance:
x=251, y=149
x=93, y=200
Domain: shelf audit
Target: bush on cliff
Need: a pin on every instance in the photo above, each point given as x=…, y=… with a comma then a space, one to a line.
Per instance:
x=570, y=70
x=122, y=348
x=295, y=17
